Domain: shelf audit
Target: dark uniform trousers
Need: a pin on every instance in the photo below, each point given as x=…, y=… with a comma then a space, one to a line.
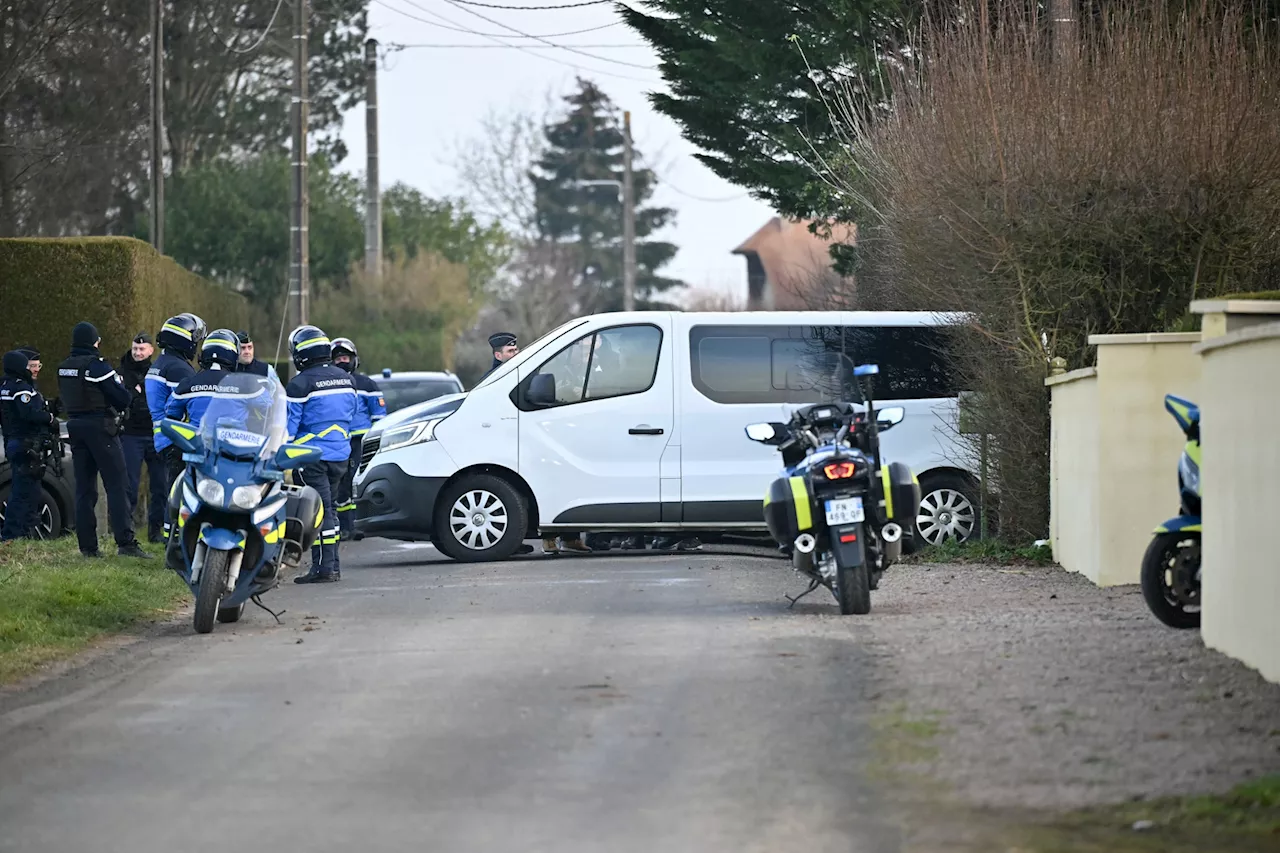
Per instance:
x=345, y=498
x=326, y=478
x=96, y=453
x=24, y=491
x=139, y=449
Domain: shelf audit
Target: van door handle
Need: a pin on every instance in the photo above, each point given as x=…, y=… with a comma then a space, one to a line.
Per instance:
x=645, y=430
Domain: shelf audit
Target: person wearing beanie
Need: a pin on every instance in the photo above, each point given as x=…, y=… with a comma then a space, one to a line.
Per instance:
x=94, y=395
x=33, y=360
x=24, y=416
x=504, y=348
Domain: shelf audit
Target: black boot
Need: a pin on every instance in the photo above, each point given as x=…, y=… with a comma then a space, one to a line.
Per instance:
x=133, y=549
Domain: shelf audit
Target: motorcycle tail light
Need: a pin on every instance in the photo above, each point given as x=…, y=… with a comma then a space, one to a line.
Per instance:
x=840, y=470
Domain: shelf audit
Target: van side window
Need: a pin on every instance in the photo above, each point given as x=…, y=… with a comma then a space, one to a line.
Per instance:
x=612, y=362
x=810, y=364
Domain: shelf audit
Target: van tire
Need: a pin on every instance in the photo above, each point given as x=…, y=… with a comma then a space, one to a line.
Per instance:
x=475, y=491
x=957, y=492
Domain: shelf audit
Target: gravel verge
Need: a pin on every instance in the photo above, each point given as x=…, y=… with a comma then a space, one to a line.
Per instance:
x=1031, y=688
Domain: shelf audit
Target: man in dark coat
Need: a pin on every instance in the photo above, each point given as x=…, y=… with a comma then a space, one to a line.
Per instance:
x=504, y=348
x=136, y=437
x=249, y=363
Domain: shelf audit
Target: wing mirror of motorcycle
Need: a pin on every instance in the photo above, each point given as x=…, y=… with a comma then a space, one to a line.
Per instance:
x=296, y=455
x=184, y=436
x=890, y=417
x=770, y=433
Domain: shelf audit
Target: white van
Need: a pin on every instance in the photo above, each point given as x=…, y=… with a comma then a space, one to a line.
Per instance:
x=634, y=422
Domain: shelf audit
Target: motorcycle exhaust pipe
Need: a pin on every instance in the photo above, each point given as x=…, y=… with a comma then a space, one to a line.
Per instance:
x=802, y=553
x=891, y=536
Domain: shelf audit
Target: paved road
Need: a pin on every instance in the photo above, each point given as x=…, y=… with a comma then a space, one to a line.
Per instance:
x=628, y=703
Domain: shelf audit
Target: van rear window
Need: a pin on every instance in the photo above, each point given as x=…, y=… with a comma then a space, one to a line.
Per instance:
x=805, y=364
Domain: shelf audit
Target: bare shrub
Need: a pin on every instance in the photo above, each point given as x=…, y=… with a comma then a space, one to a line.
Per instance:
x=1053, y=199
x=711, y=299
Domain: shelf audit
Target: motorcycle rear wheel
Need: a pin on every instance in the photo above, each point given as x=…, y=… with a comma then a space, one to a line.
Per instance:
x=213, y=582
x=853, y=588
x=1158, y=565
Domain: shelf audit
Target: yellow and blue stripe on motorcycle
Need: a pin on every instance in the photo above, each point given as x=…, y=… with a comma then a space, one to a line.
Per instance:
x=1181, y=524
x=1184, y=412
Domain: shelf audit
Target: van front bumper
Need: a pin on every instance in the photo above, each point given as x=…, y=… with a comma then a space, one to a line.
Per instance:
x=393, y=505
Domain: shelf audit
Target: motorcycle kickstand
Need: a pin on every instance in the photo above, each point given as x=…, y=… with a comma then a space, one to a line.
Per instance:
x=258, y=601
x=812, y=586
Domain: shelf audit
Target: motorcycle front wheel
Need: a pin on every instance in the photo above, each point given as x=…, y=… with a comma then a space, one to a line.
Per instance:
x=213, y=582
x=1170, y=581
x=853, y=587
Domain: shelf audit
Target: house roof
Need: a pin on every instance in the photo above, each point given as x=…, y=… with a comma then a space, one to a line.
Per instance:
x=793, y=257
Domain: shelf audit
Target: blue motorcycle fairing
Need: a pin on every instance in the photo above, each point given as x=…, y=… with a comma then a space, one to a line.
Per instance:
x=221, y=539
x=1184, y=412
x=1182, y=523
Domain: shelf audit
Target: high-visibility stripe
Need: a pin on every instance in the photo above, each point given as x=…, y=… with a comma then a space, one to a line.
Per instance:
x=800, y=497
x=314, y=342
x=323, y=433
x=177, y=330
x=888, y=491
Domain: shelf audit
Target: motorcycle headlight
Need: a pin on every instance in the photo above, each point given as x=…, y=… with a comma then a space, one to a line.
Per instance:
x=402, y=436
x=210, y=491
x=246, y=497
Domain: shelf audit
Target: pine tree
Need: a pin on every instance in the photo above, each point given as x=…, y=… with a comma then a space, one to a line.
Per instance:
x=586, y=144
x=757, y=85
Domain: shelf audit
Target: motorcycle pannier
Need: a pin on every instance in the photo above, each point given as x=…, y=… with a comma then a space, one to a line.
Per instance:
x=788, y=509
x=901, y=493
x=302, y=515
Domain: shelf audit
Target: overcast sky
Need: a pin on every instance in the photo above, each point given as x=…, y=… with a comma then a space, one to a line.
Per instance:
x=432, y=97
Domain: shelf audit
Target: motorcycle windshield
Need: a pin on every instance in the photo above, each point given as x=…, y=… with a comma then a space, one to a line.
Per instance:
x=247, y=416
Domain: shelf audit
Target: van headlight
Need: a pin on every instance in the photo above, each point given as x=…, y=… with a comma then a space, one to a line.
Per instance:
x=403, y=436
x=246, y=497
x=210, y=491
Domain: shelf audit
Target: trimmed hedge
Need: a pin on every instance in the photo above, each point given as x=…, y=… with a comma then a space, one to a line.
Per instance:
x=119, y=284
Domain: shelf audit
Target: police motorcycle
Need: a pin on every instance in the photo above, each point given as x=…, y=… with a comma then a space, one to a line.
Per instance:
x=838, y=509
x=239, y=523
x=1171, y=567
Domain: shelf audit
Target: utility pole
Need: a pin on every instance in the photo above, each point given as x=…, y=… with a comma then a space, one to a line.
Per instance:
x=156, y=211
x=628, y=220
x=1062, y=19
x=299, y=220
x=372, y=190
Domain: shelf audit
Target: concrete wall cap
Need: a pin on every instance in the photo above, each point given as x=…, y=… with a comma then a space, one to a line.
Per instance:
x=1250, y=334
x=1146, y=338
x=1235, y=306
x=1072, y=376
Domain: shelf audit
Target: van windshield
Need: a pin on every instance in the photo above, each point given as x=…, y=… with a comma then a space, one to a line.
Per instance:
x=526, y=352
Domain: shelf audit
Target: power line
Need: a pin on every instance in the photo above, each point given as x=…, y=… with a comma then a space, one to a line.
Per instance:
x=529, y=49
x=251, y=48
x=470, y=31
x=536, y=8
x=397, y=46
x=715, y=200
x=550, y=44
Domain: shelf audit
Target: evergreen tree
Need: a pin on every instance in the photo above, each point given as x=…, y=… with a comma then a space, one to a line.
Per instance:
x=586, y=144
x=757, y=85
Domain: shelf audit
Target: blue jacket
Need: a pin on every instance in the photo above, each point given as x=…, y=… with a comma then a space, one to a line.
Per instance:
x=371, y=407
x=193, y=395
x=22, y=408
x=162, y=378
x=322, y=405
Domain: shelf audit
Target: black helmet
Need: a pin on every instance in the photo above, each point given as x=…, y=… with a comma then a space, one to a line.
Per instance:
x=345, y=345
x=182, y=333
x=309, y=345
x=220, y=347
x=201, y=328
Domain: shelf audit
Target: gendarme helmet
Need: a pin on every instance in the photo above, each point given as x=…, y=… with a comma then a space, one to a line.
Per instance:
x=309, y=345
x=181, y=334
x=346, y=346
x=220, y=347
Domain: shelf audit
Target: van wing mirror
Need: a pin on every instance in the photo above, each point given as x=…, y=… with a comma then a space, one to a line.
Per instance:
x=541, y=390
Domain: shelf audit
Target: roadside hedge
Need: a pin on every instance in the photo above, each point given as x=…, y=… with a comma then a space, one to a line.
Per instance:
x=119, y=284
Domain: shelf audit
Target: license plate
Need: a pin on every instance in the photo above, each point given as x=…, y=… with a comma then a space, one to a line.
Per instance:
x=845, y=511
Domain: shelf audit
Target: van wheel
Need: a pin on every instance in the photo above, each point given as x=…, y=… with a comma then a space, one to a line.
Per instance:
x=948, y=511
x=48, y=516
x=480, y=518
